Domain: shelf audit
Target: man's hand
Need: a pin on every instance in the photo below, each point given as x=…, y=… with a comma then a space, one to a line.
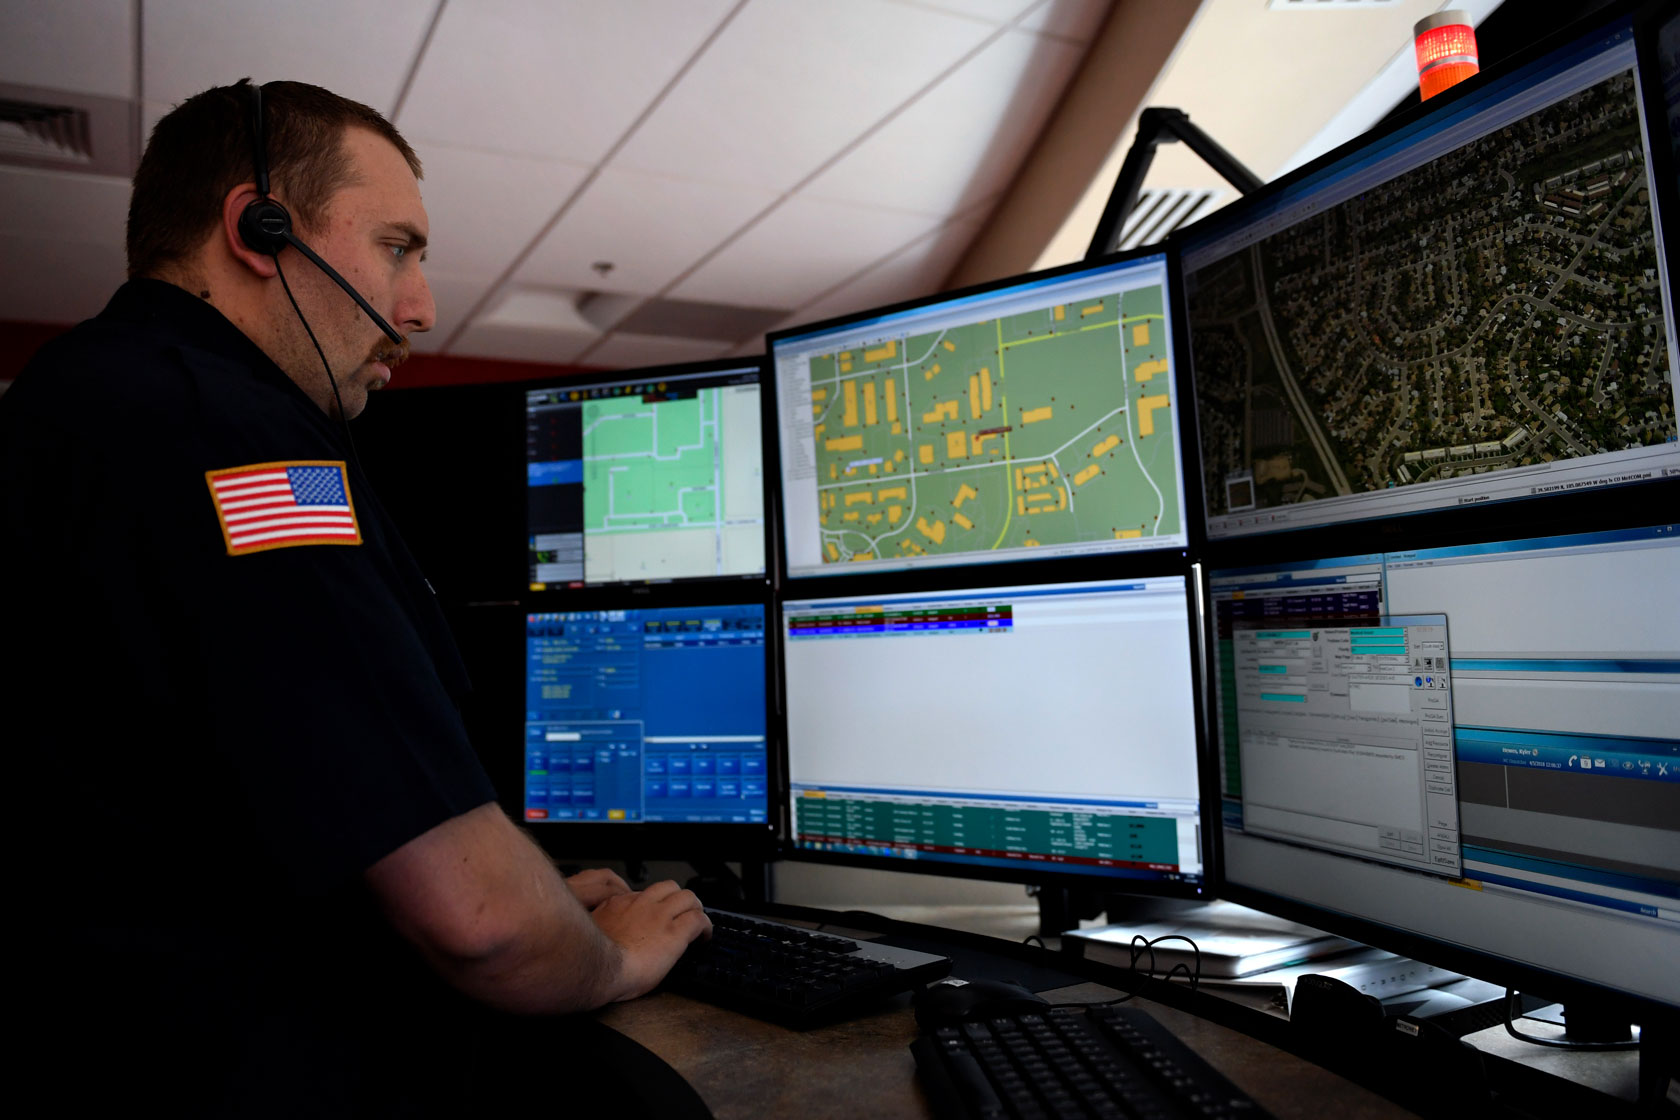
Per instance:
x=652, y=927
x=595, y=886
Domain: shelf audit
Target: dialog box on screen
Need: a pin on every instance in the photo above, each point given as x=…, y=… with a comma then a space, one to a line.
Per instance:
x=1346, y=736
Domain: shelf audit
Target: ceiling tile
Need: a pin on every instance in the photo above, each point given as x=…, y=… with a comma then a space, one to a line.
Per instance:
x=522, y=344
x=51, y=280
x=917, y=270
x=361, y=49
x=649, y=226
x=799, y=251
x=85, y=47
x=792, y=82
x=1078, y=20
x=485, y=208
x=63, y=205
x=627, y=351
x=561, y=81
x=992, y=11
x=964, y=139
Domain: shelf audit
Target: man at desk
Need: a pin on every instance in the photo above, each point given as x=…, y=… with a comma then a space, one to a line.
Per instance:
x=272, y=876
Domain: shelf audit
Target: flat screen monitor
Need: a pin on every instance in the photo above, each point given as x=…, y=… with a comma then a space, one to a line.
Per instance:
x=1472, y=307
x=1032, y=418
x=655, y=475
x=1027, y=733
x=1467, y=754
x=649, y=716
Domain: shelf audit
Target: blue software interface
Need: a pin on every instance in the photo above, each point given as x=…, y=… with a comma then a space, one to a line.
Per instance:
x=646, y=715
x=1558, y=675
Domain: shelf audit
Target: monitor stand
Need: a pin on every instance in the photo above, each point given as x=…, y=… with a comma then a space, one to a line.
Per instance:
x=1063, y=908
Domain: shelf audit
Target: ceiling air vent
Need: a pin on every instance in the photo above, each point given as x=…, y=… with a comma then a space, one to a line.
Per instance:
x=1159, y=212
x=66, y=131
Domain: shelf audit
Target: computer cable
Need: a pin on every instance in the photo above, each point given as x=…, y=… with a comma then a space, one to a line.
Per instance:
x=1512, y=1013
x=1141, y=945
x=344, y=420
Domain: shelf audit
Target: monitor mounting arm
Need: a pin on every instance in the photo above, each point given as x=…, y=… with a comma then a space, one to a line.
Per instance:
x=1158, y=126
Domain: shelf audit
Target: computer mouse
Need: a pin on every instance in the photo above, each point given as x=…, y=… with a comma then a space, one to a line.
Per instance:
x=950, y=1001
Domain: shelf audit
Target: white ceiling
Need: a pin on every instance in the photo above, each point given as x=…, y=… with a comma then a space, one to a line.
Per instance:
x=1313, y=75
x=808, y=157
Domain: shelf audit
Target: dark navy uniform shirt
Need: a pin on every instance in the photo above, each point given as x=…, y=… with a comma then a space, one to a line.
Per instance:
x=213, y=732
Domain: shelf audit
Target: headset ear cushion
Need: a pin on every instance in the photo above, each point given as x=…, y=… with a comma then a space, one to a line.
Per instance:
x=264, y=224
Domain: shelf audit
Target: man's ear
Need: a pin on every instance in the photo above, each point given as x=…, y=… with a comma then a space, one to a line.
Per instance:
x=261, y=264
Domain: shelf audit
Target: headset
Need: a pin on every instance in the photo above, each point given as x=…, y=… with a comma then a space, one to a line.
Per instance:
x=266, y=226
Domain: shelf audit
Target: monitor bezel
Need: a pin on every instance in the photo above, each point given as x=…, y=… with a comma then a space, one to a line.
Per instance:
x=961, y=571
x=1151, y=564
x=674, y=588
x=1641, y=16
x=685, y=841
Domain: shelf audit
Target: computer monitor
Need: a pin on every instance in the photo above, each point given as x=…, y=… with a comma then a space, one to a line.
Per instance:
x=1043, y=733
x=654, y=475
x=648, y=725
x=1470, y=307
x=1035, y=417
x=1494, y=787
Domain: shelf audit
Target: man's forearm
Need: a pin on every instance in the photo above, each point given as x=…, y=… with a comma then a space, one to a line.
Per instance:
x=492, y=914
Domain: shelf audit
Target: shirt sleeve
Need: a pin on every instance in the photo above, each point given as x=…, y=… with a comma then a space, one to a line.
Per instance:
x=328, y=709
x=321, y=667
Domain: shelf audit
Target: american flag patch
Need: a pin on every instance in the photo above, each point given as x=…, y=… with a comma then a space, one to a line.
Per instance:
x=279, y=505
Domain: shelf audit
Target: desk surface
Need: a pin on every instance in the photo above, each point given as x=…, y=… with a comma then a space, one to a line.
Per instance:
x=743, y=1067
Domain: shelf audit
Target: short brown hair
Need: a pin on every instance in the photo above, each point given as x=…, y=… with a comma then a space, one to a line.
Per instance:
x=204, y=148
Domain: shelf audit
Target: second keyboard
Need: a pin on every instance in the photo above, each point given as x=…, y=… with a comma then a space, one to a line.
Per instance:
x=795, y=976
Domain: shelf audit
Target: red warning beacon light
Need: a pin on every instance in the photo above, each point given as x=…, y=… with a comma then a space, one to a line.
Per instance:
x=1446, y=51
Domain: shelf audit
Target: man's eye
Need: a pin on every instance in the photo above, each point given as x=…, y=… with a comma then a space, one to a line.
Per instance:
x=399, y=251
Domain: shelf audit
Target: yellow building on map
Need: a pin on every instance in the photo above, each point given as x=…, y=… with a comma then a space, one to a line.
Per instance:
x=1034, y=415
x=1146, y=413
x=945, y=410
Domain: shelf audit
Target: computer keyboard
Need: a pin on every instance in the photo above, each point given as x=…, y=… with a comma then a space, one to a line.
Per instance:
x=1071, y=1062
x=795, y=976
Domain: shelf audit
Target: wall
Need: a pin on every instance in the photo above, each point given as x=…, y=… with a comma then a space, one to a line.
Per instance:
x=1112, y=84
